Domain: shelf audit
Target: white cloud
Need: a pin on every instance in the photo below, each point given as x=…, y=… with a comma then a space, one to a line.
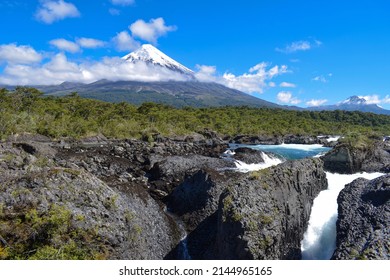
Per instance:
x=254, y=82
x=51, y=11
x=206, y=73
x=271, y=84
x=371, y=99
x=90, y=43
x=287, y=97
x=122, y=2
x=150, y=31
x=65, y=45
x=59, y=69
x=124, y=42
x=299, y=46
x=12, y=53
x=287, y=85
x=386, y=100
x=322, y=78
x=316, y=102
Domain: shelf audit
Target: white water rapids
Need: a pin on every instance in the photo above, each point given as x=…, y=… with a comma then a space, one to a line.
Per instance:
x=319, y=241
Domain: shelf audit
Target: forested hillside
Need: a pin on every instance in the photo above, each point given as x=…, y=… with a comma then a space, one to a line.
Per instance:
x=27, y=110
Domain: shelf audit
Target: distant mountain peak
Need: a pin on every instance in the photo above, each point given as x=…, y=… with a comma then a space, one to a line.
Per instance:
x=151, y=55
x=355, y=100
x=354, y=103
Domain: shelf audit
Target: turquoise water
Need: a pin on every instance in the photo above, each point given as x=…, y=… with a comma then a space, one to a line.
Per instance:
x=289, y=151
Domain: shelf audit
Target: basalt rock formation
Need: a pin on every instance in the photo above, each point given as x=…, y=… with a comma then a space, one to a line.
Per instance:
x=59, y=210
x=261, y=215
x=363, y=224
x=131, y=199
x=345, y=159
x=265, y=215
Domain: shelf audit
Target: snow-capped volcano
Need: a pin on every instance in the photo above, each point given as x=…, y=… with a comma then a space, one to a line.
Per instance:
x=353, y=103
x=150, y=54
x=355, y=100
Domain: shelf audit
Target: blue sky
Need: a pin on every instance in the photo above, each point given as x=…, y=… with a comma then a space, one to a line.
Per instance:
x=291, y=52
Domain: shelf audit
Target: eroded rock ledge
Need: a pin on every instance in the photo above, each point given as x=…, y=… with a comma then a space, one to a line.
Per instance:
x=262, y=215
x=345, y=159
x=101, y=198
x=363, y=224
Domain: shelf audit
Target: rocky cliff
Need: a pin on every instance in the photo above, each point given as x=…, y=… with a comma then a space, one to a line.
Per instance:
x=261, y=215
x=51, y=209
x=132, y=199
x=265, y=215
x=346, y=159
x=363, y=224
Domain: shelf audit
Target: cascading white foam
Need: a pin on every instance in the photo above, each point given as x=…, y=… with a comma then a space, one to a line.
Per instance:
x=332, y=139
x=319, y=241
x=268, y=162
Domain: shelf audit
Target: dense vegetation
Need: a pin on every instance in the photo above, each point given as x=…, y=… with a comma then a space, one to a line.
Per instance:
x=27, y=110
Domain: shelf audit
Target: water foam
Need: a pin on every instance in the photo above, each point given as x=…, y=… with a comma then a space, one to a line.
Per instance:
x=268, y=162
x=332, y=139
x=319, y=241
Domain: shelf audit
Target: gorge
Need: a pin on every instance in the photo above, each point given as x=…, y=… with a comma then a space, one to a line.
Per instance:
x=172, y=199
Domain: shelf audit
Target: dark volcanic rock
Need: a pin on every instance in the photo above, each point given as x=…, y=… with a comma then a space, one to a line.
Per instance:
x=109, y=189
x=363, y=224
x=168, y=172
x=258, y=139
x=300, y=139
x=265, y=216
x=276, y=140
x=340, y=160
x=195, y=201
x=37, y=194
x=347, y=160
x=100, y=198
x=261, y=215
x=248, y=155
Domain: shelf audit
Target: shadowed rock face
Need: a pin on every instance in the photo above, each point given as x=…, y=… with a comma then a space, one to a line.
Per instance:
x=262, y=215
x=109, y=198
x=266, y=217
x=346, y=160
x=363, y=224
x=59, y=205
x=101, y=191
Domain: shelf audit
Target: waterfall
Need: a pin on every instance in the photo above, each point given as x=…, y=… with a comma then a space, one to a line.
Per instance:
x=319, y=241
x=268, y=162
x=182, y=252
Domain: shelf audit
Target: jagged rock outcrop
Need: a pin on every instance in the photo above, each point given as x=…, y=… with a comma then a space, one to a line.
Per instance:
x=101, y=198
x=48, y=211
x=195, y=201
x=300, y=139
x=260, y=215
x=265, y=216
x=168, y=172
x=363, y=224
x=101, y=188
x=248, y=155
x=258, y=139
x=345, y=159
x=277, y=140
